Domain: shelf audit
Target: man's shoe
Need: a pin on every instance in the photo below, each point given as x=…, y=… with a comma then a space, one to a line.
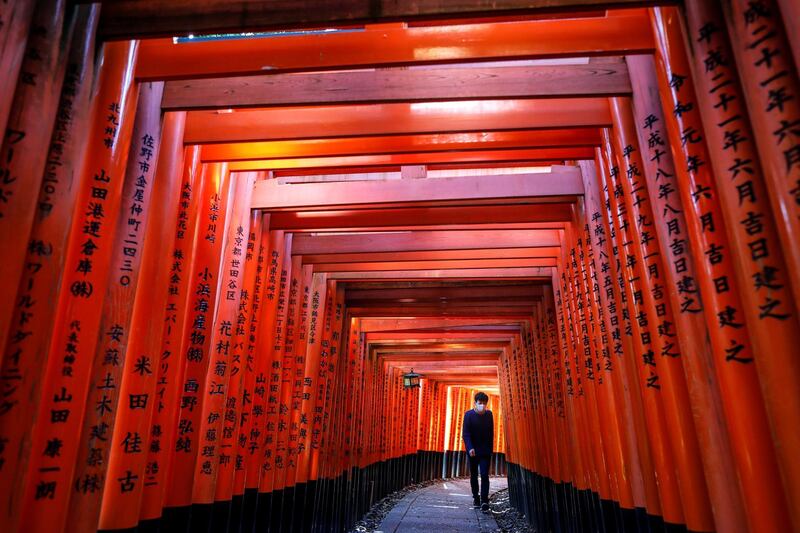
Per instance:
x=485, y=507
x=476, y=502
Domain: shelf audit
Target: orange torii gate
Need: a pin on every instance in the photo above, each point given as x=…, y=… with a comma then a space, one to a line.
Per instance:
x=229, y=238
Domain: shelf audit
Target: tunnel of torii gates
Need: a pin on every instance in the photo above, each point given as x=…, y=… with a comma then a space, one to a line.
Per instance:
x=229, y=228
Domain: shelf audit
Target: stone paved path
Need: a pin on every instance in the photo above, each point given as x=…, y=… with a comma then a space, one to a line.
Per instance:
x=444, y=507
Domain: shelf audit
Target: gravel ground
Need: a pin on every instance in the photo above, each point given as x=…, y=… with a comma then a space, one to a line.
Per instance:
x=509, y=520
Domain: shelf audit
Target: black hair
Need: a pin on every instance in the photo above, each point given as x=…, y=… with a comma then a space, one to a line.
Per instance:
x=481, y=397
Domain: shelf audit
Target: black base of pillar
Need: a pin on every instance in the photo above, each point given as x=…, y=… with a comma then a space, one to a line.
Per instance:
x=176, y=519
x=551, y=506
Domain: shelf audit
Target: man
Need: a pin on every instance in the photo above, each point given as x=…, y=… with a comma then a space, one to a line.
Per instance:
x=478, y=434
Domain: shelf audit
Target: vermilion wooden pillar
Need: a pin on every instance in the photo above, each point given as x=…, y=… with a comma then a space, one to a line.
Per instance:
x=256, y=301
x=110, y=356
x=27, y=136
x=163, y=430
x=573, y=388
x=584, y=371
x=631, y=490
x=284, y=460
x=232, y=458
x=329, y=355
x=120, y=509
x=322, y=461
x=312, y=284
x=691, y=321
x=274, y=382
x=535, y=340
x=264, y=385
x=631, y=345
x=761, y=60
x=32, y=322
x=577, y=452
x=638, y=291
x=555, y=358
x=311, y=374
x=221, y=350
x=770, y=322
x=86, y=278
x=16, y=17
x=204, y=284
x=692, y=324
x=678, y=412
x=602, y=358
x=746, y=209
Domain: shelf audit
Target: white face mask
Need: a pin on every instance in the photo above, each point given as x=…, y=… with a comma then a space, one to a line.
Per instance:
x=480, y=407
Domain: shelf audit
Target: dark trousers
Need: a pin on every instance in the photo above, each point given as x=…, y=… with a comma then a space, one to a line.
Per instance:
x=479, y=463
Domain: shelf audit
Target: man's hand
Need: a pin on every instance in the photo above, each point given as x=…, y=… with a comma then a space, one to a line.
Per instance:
x=472, y=452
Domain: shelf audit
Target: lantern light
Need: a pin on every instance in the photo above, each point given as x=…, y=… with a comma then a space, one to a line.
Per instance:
x=411, y=380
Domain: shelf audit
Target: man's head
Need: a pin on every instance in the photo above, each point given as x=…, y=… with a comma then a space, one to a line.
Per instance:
x=481, y=399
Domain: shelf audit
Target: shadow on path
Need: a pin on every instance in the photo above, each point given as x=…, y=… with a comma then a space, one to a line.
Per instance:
x=445, y=506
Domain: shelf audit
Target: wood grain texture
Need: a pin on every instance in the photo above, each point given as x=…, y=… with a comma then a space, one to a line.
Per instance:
x=398, y=85
x=272, y=196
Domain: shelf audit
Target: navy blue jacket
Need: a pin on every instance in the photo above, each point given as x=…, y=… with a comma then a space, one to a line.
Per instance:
x=478, y=432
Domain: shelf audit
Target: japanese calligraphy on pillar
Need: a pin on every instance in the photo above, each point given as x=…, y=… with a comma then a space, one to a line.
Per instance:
x=593, y=282
x=554, y=355
x=668, y=203
x=137, y=385
x=224, y=334
x=26, y=138
x=699, y=191
x=168, y=365
x=311, y=374
x=743, y=193
x=755, y=248
x=110, y=354
x=570, y=318
x=650, y=250
x=597, y=233
x=585, y=317
x=770, y=76
x=632, y=269
x=89, y=255
x=204, y=284
x=257, y=382
x=271, y=385
x=703, y=198
x=231, y=457
x=32, y=319
x=298, y=373
x=320, y=433
x=568, y=382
